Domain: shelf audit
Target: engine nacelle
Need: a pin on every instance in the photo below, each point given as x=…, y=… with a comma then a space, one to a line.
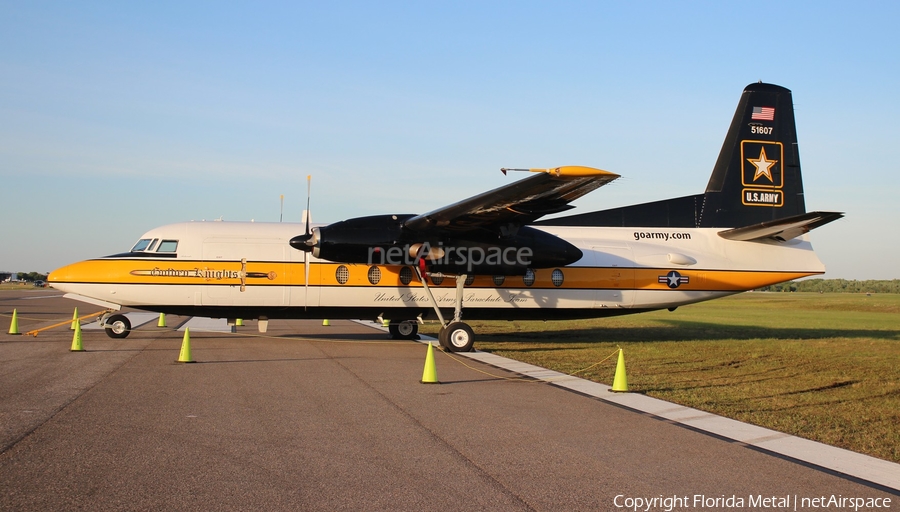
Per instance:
x=383, y=240
x=352, y=240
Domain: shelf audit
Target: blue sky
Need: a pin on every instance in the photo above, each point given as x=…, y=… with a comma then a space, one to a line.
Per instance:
x=119, y=117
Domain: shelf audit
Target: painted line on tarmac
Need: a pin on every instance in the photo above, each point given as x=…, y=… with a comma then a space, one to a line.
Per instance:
x=839, y=460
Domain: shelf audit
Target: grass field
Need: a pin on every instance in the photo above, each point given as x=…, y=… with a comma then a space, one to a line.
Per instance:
x=18, y=286
x=820, y=366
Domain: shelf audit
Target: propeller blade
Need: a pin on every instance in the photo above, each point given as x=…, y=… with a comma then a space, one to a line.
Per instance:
x=308, y=194
x=308, y=235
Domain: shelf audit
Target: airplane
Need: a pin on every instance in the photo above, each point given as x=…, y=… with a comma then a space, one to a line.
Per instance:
x=491, y=256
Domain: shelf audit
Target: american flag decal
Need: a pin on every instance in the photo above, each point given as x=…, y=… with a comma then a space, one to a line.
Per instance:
x=763, y=113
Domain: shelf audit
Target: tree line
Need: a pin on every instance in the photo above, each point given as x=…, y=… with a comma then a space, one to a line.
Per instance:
x=836, y=286
x=31, y=276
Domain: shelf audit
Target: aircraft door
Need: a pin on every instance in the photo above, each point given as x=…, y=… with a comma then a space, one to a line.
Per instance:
x=614, y=264
x=245, y=272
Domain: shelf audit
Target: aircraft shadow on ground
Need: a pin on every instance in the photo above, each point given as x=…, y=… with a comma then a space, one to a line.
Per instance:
x=679, y=330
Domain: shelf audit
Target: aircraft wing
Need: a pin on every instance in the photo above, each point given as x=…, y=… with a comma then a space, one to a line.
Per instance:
x=782, y=229
x=516, y=204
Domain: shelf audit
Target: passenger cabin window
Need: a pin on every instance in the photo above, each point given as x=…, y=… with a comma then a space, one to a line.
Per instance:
x=167, y=246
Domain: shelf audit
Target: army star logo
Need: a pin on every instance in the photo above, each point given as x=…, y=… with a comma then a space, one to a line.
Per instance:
x=673, y=279
x=763, y=165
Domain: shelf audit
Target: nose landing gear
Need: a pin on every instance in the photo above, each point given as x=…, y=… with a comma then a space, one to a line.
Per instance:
x=116, y=326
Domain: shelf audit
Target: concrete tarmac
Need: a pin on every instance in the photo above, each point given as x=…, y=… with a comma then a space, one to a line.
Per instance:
x=309, y=417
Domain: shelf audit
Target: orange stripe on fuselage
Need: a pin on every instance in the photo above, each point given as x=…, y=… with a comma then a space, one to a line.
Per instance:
x=261, y=273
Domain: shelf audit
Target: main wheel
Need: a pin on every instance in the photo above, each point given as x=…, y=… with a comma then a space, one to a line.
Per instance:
x=405, y=330
x=118, y=326
x=457, y=337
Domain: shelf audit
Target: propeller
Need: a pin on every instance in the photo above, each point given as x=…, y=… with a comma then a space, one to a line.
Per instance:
x=308, y=236
x=306, y=241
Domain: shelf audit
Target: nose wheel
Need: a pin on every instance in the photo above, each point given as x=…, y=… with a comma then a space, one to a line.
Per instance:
x=116, y=326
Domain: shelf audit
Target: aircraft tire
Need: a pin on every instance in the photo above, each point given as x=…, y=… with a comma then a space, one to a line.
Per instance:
x=442, y=338
x=405, y=330
x=457, y=337
x=118, y=326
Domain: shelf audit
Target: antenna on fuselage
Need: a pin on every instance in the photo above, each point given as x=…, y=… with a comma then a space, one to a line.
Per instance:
x=281, y=215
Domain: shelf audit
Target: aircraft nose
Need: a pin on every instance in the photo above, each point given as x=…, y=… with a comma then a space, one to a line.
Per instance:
x=59, y=274
x=80, y=272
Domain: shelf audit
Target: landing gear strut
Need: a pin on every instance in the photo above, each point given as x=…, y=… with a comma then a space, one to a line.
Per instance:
x=455, y=336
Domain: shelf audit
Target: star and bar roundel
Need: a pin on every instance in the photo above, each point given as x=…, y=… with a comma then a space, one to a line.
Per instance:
x=673, y=279
x=762, y=176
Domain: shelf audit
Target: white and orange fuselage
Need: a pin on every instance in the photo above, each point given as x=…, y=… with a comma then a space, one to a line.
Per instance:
x=248, y=270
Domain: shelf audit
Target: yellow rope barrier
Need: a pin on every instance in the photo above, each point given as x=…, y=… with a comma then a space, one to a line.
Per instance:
x=321, y=340
x=69, y=322
x=523, y=379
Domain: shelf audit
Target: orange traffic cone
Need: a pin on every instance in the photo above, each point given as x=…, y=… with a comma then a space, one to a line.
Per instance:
x=76, y=339
x=429, y=375
x=620, y=381
x=14, y=325
x=185, y=355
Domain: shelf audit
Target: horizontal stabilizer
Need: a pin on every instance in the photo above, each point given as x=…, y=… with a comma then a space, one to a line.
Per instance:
x=782, y=229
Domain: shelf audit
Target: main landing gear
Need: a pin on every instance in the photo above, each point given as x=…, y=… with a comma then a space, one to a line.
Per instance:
x=403, y=330
x=455, y=336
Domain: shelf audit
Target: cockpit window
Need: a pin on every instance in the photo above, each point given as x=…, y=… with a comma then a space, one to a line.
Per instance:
x=152, y=244
x=141, y=245
x=167, y=246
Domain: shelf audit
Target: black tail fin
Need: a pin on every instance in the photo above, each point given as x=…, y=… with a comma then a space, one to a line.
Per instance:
x=757, y=176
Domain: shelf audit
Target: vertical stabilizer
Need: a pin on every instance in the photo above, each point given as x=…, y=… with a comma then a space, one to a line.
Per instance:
x=757, y=176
